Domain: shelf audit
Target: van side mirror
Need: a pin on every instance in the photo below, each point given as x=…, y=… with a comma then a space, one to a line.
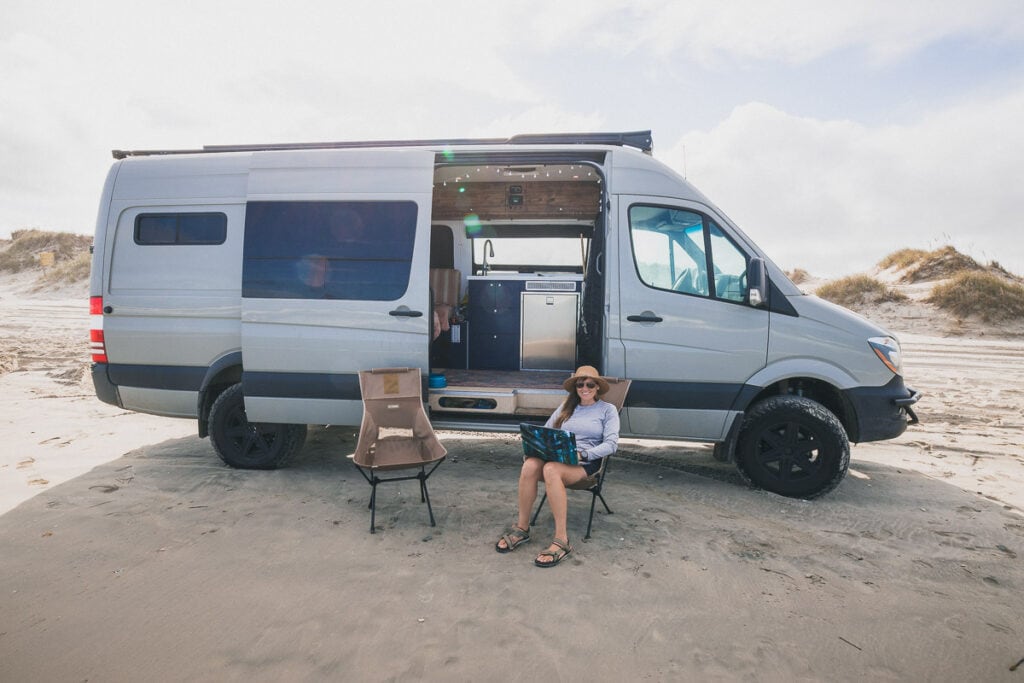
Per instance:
x=757, y=283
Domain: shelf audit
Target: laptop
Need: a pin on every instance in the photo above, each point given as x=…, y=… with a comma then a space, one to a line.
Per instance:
x=556, y=445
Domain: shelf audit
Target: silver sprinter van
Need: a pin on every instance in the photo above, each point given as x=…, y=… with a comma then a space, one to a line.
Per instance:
x=246, y=286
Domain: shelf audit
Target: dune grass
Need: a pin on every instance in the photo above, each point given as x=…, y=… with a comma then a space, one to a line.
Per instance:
x=922, y=266
x=798, y=276
x=982, y=294
x=67, y=272
x=23, y=250
x=857, y=290
x=904, y=258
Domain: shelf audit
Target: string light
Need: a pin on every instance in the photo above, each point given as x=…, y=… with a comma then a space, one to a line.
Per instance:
x=573, y=171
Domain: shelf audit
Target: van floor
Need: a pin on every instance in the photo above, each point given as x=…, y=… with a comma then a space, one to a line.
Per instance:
x=506, y=379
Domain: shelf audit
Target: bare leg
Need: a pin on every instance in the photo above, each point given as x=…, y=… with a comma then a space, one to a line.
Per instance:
x=556, y=477
x=529, y=476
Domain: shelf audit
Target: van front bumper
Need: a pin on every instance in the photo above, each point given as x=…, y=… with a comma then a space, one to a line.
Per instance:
x=882, y=412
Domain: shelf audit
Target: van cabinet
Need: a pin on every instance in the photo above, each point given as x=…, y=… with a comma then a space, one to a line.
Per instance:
x=494, y=324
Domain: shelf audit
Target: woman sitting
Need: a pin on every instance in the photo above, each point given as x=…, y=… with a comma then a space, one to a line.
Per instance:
x=596, y=426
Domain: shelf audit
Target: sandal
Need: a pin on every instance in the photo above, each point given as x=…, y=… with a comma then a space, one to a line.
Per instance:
x=555, y=555
x=514, y=538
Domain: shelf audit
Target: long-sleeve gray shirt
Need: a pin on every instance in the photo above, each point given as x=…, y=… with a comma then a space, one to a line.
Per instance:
x=596, y=428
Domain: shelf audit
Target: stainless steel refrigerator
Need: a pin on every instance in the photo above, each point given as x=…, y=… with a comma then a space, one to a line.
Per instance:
x=549, y=331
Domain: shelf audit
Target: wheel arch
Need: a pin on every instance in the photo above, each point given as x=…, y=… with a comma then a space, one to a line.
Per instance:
x=221, y=374
x=821, y=382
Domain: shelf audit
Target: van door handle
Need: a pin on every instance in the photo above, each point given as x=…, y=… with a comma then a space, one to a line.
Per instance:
x=405, y=313
x=645, y=318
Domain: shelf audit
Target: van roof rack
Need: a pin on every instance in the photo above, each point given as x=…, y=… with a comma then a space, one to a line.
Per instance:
x=637, y=139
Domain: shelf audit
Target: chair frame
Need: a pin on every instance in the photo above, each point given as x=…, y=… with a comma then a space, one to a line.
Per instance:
x=375, y=454
x=594, y=483
x=372, y=479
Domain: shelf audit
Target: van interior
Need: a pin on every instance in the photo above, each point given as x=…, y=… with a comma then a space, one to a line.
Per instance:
x=516, y=285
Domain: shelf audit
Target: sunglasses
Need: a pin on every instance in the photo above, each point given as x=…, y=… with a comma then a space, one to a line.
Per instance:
x=588, y=385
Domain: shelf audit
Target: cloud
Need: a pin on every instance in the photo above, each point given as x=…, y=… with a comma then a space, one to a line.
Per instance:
x=80, y=80
x=171, y=70
x=834, y=197
x=540, y=119
x=711, y=32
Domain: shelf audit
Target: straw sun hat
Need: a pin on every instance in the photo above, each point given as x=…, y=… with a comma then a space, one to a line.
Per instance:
x=586, y=372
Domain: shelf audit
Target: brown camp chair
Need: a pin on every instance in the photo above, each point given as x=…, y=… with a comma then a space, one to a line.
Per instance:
x=393, y=401
x=616, y=395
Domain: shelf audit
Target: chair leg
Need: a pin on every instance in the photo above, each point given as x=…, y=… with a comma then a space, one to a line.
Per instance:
x=426, y=497
x=373, y=505
x=590, y=521
x=537, y=513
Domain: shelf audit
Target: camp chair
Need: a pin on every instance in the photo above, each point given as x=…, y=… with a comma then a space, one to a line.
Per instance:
x=393, y=400
x=616, y=395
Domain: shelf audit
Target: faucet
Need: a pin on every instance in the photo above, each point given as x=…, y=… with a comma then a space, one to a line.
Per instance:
x=488, y=247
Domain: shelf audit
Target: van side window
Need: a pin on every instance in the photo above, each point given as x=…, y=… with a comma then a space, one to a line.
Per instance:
x=328, y=249
x=730, y=266
x=677, y=250
x=180, y=228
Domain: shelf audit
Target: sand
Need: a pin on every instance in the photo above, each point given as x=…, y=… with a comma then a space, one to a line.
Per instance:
x=129, y=551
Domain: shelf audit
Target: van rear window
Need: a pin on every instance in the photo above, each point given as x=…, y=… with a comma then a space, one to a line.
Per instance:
x=328, y=250
x=180, y=228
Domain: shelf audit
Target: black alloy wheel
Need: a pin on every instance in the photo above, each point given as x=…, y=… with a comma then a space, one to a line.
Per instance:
x=793, y=446
x=250, y=445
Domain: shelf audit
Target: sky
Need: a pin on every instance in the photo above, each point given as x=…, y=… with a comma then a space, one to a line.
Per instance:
x=832, y=133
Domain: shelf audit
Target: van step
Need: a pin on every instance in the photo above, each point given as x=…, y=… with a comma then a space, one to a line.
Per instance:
x=525, y=402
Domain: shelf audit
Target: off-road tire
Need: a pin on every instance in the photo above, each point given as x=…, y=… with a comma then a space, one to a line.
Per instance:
x=250, y=445
x=792, y=446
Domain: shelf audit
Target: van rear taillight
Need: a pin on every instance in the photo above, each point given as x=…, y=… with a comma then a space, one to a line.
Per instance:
x=97, y=345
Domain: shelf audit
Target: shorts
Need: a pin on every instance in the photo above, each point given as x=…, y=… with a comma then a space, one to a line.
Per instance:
x=591, y=467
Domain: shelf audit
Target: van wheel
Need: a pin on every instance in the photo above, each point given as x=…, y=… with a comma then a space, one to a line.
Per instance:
x=250, y=445
x=793, y=446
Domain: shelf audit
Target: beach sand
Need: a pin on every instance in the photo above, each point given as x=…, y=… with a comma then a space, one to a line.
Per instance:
x=130, y=551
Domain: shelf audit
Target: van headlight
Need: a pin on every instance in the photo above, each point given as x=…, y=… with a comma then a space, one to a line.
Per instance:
x=888, y=351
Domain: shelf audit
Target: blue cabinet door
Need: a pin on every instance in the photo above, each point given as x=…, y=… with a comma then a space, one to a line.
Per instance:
x=494, y=328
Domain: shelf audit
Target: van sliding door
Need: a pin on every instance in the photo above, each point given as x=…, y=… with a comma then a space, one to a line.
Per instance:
x=334, y=278
x=689, y=339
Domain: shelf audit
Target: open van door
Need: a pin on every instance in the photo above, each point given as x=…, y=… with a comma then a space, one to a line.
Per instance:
x=334, y=278
x=689, y=337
